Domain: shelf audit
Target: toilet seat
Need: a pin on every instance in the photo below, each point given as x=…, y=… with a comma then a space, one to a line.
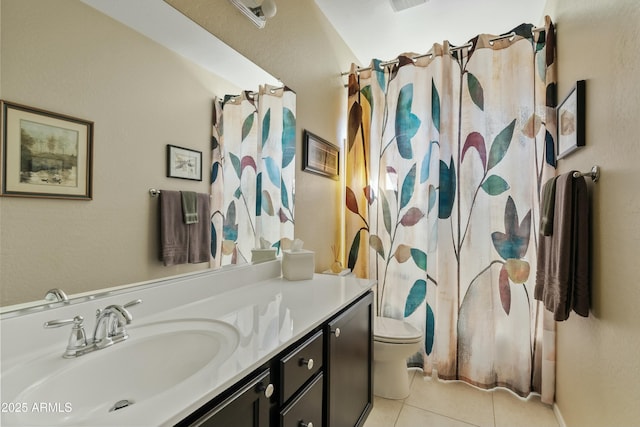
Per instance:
x=395, y=331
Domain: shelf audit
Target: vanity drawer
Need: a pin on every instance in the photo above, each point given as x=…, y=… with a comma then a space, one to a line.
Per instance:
x=306, y=409
x=297, y=367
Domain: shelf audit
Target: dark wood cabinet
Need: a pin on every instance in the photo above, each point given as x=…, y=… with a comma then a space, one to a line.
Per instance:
x=322, y=380
x=297, y=367
x=306, y=409
x=349, y=348
x=249, y=406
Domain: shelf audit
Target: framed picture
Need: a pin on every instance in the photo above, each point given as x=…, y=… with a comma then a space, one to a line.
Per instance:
x=320, y=156
x=184, y=163
x=571, y=121
x=45, y=154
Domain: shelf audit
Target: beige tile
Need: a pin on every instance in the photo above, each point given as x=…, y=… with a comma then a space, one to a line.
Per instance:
x=415, y=417
x=512, y=411
x=384, y=413
x=452, y=399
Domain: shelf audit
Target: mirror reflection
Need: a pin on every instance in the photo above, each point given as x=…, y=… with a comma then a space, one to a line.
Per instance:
x=130, y=68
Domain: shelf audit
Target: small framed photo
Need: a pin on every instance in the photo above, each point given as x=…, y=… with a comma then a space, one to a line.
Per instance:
x=45, y=154
x=320, y=156
x=184, y=163
x=571, y=121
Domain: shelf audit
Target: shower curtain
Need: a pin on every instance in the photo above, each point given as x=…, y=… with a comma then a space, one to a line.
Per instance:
x=252, y=173
x=447, y=154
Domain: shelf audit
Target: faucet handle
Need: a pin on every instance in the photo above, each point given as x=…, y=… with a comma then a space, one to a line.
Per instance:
x=132, y=303
x=123, y=318
x=77, y=321
x=77, y=344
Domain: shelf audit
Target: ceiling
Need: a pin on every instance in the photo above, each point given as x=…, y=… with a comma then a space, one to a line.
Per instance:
x=170, y=28
x=372, y=29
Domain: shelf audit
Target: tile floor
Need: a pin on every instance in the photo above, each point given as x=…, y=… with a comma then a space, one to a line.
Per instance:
x=434, y=403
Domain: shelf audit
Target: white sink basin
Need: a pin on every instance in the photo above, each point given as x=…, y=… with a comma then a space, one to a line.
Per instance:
x=156, y=357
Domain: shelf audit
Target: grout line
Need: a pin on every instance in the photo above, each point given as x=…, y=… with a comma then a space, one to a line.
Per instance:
x=440, y=414
x=395, y=423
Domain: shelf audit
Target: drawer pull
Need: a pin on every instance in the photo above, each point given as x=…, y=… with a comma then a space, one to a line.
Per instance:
x=303, y=424
x=336, y=332
x=308, y=363
x=268, y=390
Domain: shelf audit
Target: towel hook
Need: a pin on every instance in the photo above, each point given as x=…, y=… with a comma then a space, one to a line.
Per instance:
x=594, y=174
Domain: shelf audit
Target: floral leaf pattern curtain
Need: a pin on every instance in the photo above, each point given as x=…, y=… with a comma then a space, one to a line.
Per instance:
x=445, y=163
x=252, y=173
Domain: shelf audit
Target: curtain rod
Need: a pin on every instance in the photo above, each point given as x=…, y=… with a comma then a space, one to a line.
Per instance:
x=469, y=45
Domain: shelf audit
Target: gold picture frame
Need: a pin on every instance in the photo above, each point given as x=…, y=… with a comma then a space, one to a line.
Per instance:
x=320, y=156
x=45, y=154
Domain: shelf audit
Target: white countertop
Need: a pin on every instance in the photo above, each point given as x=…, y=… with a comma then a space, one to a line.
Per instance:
x=269, y=314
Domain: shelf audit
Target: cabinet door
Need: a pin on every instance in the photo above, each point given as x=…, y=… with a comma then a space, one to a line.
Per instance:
x=349, y=365
x=249, y=407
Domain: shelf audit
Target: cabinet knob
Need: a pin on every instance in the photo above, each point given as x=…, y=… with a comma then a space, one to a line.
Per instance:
x=336, y=332
x=268, y=390
x=303, y=424
x=308, y=363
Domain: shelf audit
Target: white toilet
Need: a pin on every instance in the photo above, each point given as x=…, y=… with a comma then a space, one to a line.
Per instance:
x=393, y=342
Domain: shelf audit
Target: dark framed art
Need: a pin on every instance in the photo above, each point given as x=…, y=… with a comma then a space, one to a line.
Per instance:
x=320, y=156
x=571, y=121
x=45, y=154
x=184, y=163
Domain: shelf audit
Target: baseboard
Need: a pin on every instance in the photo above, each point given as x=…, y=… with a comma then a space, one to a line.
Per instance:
x=558, y=414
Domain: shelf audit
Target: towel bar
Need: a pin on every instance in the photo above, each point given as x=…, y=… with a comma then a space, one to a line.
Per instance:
x=154, y=192
x=594, y=174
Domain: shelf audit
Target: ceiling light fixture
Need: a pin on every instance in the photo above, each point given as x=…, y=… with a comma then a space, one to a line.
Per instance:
x=258, y=11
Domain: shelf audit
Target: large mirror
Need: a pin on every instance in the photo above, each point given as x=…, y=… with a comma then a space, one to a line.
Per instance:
x=145, y=75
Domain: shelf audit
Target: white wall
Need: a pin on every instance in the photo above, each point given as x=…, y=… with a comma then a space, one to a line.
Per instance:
x=598, y=368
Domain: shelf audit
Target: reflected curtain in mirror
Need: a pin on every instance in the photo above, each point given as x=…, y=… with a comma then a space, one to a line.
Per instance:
x=252, y=173
x=445, y=160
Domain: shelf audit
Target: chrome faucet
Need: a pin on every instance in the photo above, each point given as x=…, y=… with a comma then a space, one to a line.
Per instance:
x=109, y=329
x=110, y=325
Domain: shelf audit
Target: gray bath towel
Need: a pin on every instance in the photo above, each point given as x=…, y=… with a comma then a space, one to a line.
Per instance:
x=182, y=243
x=174, y=234
x=562, y=276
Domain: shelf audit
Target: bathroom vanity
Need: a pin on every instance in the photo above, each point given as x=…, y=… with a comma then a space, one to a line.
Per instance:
x=232, y=347
x=322, y=379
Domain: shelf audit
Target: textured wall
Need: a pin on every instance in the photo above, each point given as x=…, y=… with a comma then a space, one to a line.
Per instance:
x=65, y=57
x=598, y=373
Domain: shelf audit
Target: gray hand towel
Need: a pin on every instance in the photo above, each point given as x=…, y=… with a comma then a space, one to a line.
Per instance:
x=189, y=207
x=200, y=233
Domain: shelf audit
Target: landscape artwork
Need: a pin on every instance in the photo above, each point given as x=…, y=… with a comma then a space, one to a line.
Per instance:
x=48, y=155
x=45, y=154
